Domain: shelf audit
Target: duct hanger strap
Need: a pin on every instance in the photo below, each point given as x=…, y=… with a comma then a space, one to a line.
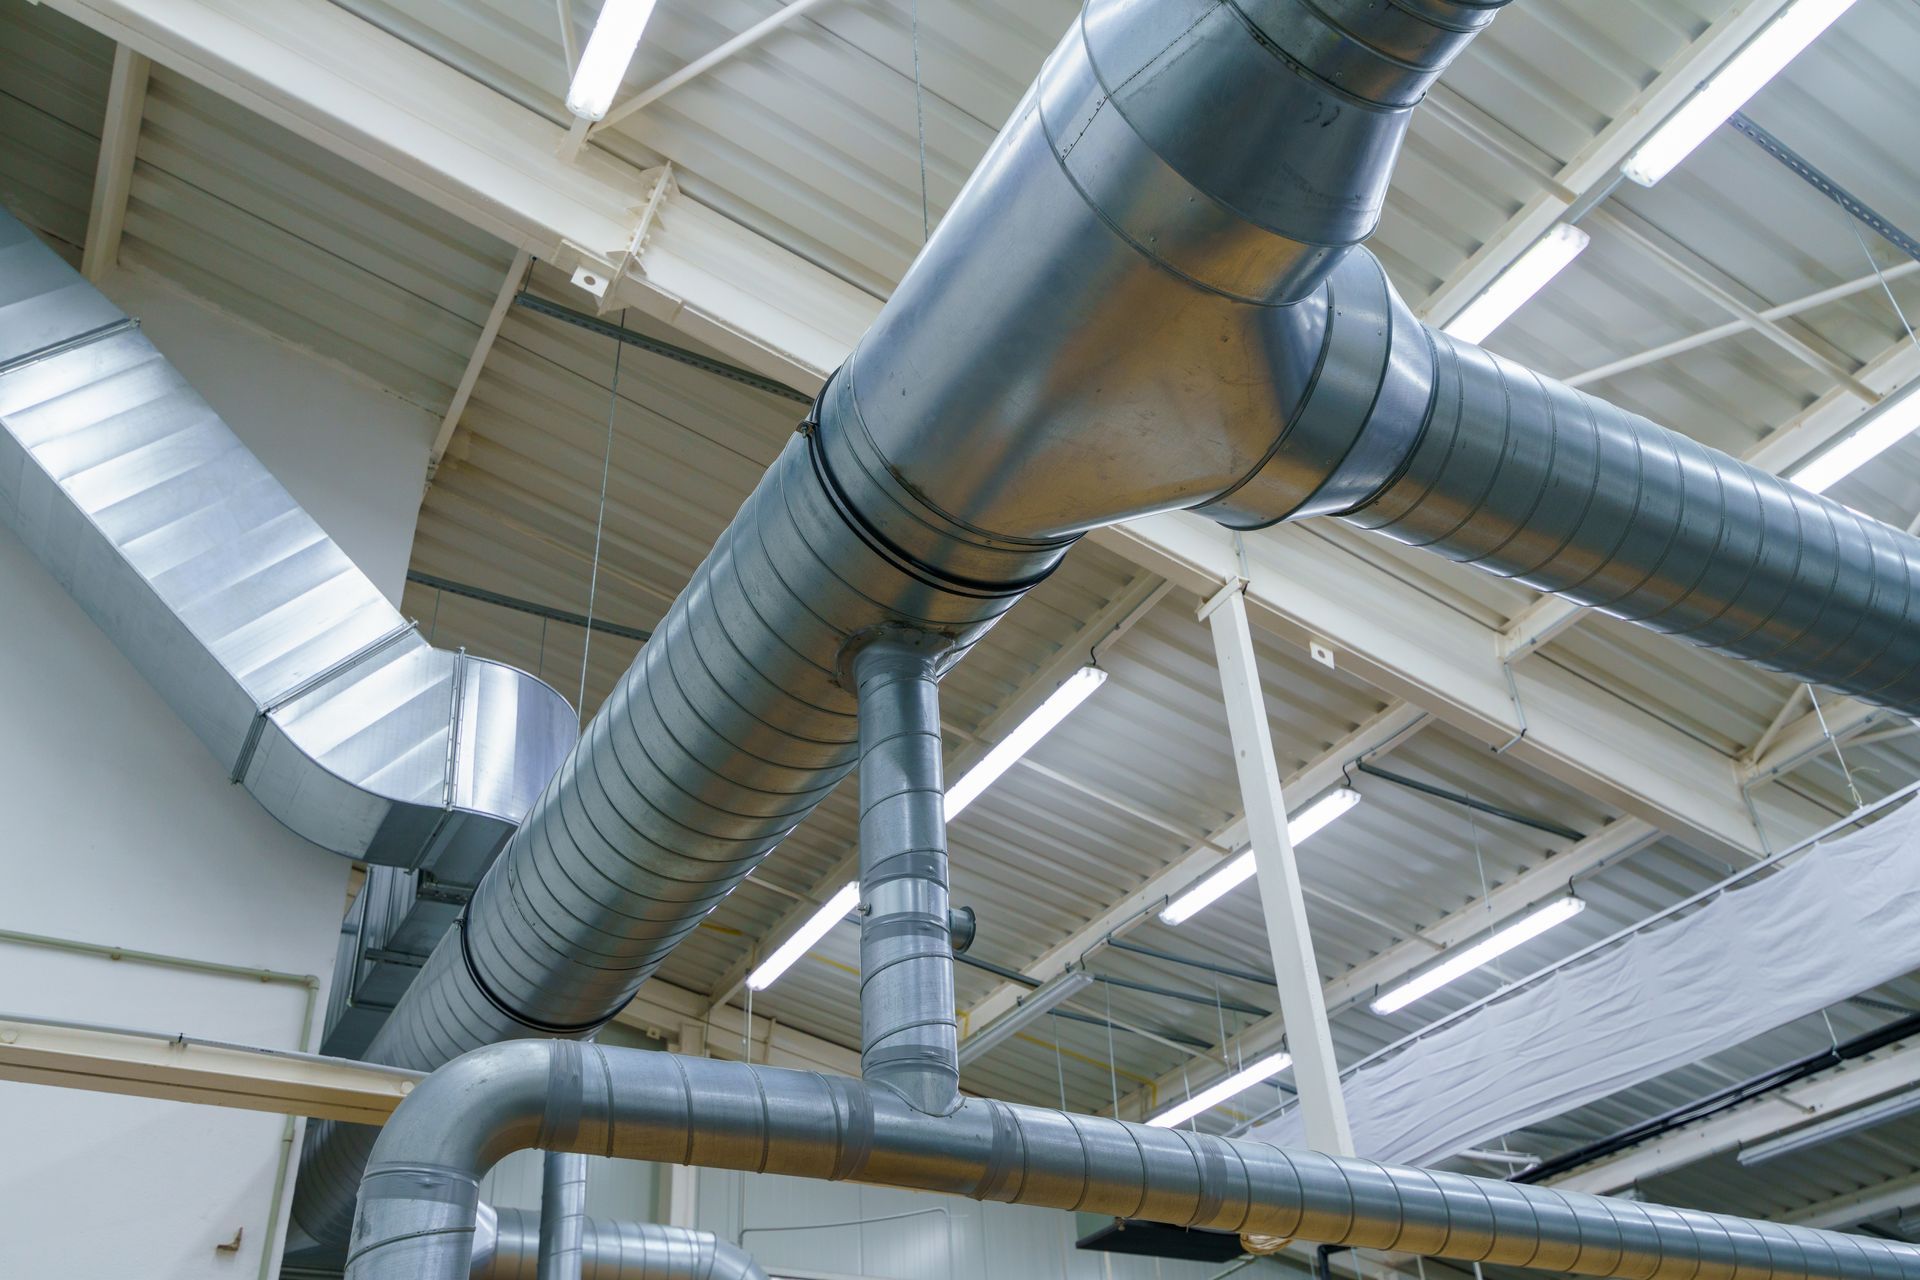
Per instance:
x=898, y=523
x=564, y=1031
x=727, y=1115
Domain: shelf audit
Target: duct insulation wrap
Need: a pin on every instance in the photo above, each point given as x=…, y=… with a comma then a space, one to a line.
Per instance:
x=507, y=1247
x=1842, y=919
x=417, y=1208
x=735, y=721
x=1525, y=477
x=293, y=669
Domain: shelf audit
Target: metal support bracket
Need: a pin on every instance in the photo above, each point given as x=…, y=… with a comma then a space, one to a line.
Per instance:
x=600, y=275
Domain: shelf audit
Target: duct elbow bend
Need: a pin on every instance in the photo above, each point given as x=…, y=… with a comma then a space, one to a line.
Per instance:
x=421, y=1192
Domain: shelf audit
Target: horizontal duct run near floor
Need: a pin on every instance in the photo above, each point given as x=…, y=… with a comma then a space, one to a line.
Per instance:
x=417, y=1211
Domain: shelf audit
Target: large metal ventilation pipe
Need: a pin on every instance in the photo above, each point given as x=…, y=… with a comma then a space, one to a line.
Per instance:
x=1148, y=297
x=1091, y=334
x=506, y=1246
x=416, y=1219
x=293, y=669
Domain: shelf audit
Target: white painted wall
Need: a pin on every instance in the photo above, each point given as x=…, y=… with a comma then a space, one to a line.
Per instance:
x=797, y=1227
x=120, y=828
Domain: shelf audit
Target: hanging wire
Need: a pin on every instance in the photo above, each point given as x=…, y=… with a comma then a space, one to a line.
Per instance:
x=1113, y=1071
x=1059, y=1067
x=540, y=666
x=920, y=128
x=1219, y=1010
x=1880, y=275
x=433, y=627
x=1833, y=742
x=1486, y=893
x=599, y=528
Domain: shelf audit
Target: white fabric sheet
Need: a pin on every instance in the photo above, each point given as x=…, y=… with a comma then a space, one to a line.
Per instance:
x=1841, y=919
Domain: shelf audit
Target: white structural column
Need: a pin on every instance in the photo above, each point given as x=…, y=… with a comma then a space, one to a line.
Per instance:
x=113, y=173
x=1282, y=902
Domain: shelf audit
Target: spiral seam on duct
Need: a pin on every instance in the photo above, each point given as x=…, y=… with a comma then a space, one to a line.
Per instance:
x=1522, y=476
x=417, y=1208
x=679, y=788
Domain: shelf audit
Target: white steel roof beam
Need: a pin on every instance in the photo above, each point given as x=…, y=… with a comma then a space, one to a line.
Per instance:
x=1672, y=261
x=1407, y=638
x=1203, y=858
x=1831, y=1091
x=706, y=62
x=1855, y=1207
x=483, y=345
x=113, y=173
x=1618, y=839
x=370, y=98
x=1598, y=163
x=1316, y=1069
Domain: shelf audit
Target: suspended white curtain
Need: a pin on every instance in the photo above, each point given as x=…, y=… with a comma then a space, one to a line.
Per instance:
x=1841, y=919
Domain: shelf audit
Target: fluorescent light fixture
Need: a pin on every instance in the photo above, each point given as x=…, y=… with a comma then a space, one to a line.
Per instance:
x=817, y=927
x=1073, y=691
x=1528, y=274
x=603, y=63
x=1300, y=828
x=1525, y=929
x=1209, y=1098
x=1878, y=429
x=1042, y=999
x=1901, y=1104
x=1729, y=88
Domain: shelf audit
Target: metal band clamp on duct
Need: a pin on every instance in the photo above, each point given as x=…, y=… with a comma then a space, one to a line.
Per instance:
x=417, y=1207
x=1150, y=296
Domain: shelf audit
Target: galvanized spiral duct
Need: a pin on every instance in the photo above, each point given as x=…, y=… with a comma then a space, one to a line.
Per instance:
x=417, y=1208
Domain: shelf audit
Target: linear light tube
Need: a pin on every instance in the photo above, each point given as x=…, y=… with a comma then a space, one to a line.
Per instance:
x=1073, y=691
x=1525, y=929
x=1544, y=259
x=1876, y=431
x=1042, y=999
x=1211, y=1097
x=1839, y=1126
x=603, y=63
x=1764, y=57
x=1238, y=870
x=817, y=927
